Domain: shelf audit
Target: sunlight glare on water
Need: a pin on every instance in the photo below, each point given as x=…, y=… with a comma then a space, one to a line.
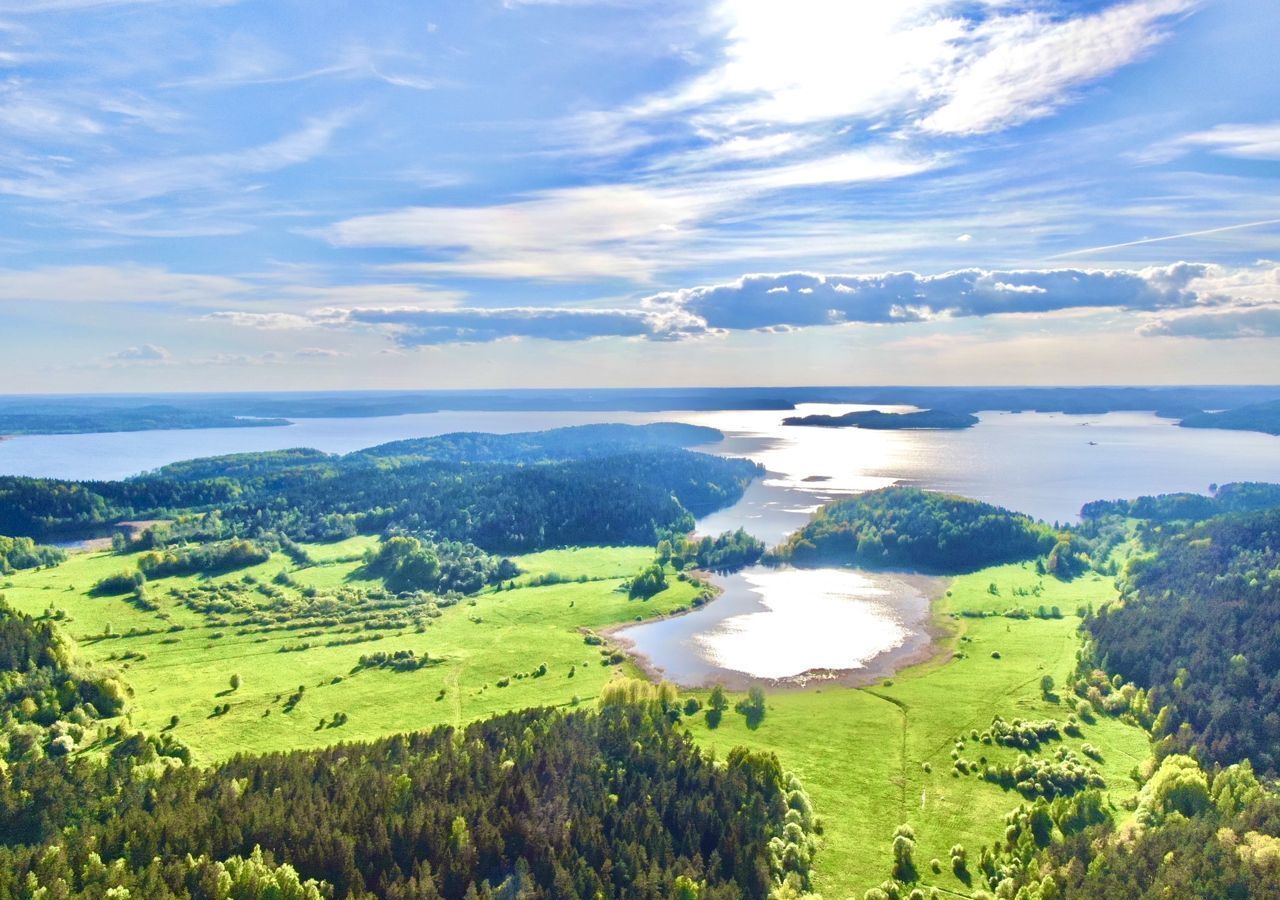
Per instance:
x=811, y=619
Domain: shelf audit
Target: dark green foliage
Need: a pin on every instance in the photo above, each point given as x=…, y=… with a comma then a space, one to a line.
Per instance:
x=726, y=552
x=752, y=707
x=1237, y=497
x=1199, y=630
x=396, y=661
x=910, y=528
x=614, y=804
x=649, y=582
x=408, y=564
x=24, y=553
x=552, y=489
x=221, y=556
x=1226, y=847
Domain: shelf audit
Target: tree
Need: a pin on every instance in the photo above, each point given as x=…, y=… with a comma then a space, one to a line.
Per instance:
x=752, y=707
x=1046, y=685
x=235, y=682
x=717, y=703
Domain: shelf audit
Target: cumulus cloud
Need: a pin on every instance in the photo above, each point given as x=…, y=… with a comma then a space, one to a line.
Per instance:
x=778, y=303
x=802, y=299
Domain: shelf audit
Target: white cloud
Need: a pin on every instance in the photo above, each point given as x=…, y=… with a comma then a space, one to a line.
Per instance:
x=627, y=231
x=783, y=302
x=272, y=321
x=144, y=353
x=163, y=176
x=1020, y=67
x=116, y=284
x=1256, y=141
x=950, y=67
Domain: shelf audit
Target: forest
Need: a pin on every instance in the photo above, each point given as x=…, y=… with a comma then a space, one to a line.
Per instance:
x=598, y=485
x=910, y=528
x=1198, y=629
x=539, y=803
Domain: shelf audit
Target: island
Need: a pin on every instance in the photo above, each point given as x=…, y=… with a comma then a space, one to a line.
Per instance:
x=882, y=421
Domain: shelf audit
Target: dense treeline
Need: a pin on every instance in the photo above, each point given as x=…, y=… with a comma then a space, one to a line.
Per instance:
x=911, y=528
x=726, y=552
x=533, y=804
x=1245, y=496
x=24, y=553
x=1196, y=834
x=613, y=486
x=408, y=564
x=1199, y=630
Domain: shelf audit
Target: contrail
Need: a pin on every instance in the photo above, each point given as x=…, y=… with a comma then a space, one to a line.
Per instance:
x=1167, y=237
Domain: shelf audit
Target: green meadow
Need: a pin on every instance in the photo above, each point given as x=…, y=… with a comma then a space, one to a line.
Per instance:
x=496, y=636
x=862, y=752
x=871, y=758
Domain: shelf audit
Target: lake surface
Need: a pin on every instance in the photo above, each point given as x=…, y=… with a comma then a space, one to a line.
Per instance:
x=798, y=625
x=780, y=624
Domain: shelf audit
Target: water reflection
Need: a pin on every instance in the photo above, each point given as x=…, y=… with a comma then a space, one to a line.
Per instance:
x=796, y=625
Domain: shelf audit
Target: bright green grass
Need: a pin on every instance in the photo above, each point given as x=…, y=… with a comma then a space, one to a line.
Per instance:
x=187, y=673
x=860, y=752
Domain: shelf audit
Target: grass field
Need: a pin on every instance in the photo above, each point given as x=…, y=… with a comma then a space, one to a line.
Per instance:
x=477, y=643
x=861, y=752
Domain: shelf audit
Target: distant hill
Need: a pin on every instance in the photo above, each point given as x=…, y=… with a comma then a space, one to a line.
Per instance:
x=153, y=417
x=883, y=421
x=1264, y=417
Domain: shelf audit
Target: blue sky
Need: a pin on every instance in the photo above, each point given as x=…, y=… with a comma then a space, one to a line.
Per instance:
x=240, y=195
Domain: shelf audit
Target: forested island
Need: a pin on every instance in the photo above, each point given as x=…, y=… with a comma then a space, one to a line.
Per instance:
x=883, y=421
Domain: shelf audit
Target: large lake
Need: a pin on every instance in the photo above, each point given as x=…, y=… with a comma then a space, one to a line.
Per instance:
x=780, y=624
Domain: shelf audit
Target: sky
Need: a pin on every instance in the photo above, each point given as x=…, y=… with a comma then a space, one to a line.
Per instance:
x=255, y=195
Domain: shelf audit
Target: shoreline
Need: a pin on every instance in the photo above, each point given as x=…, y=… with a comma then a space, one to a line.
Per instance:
x=922, y=646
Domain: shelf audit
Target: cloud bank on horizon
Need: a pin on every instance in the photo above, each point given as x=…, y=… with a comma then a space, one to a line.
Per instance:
x=819, y=190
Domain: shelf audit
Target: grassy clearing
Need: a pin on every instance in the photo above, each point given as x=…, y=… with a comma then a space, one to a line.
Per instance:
x=502, y=635
x=862, y=752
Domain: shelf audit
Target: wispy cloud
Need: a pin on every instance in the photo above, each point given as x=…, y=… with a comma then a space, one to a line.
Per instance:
x=207, y=172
